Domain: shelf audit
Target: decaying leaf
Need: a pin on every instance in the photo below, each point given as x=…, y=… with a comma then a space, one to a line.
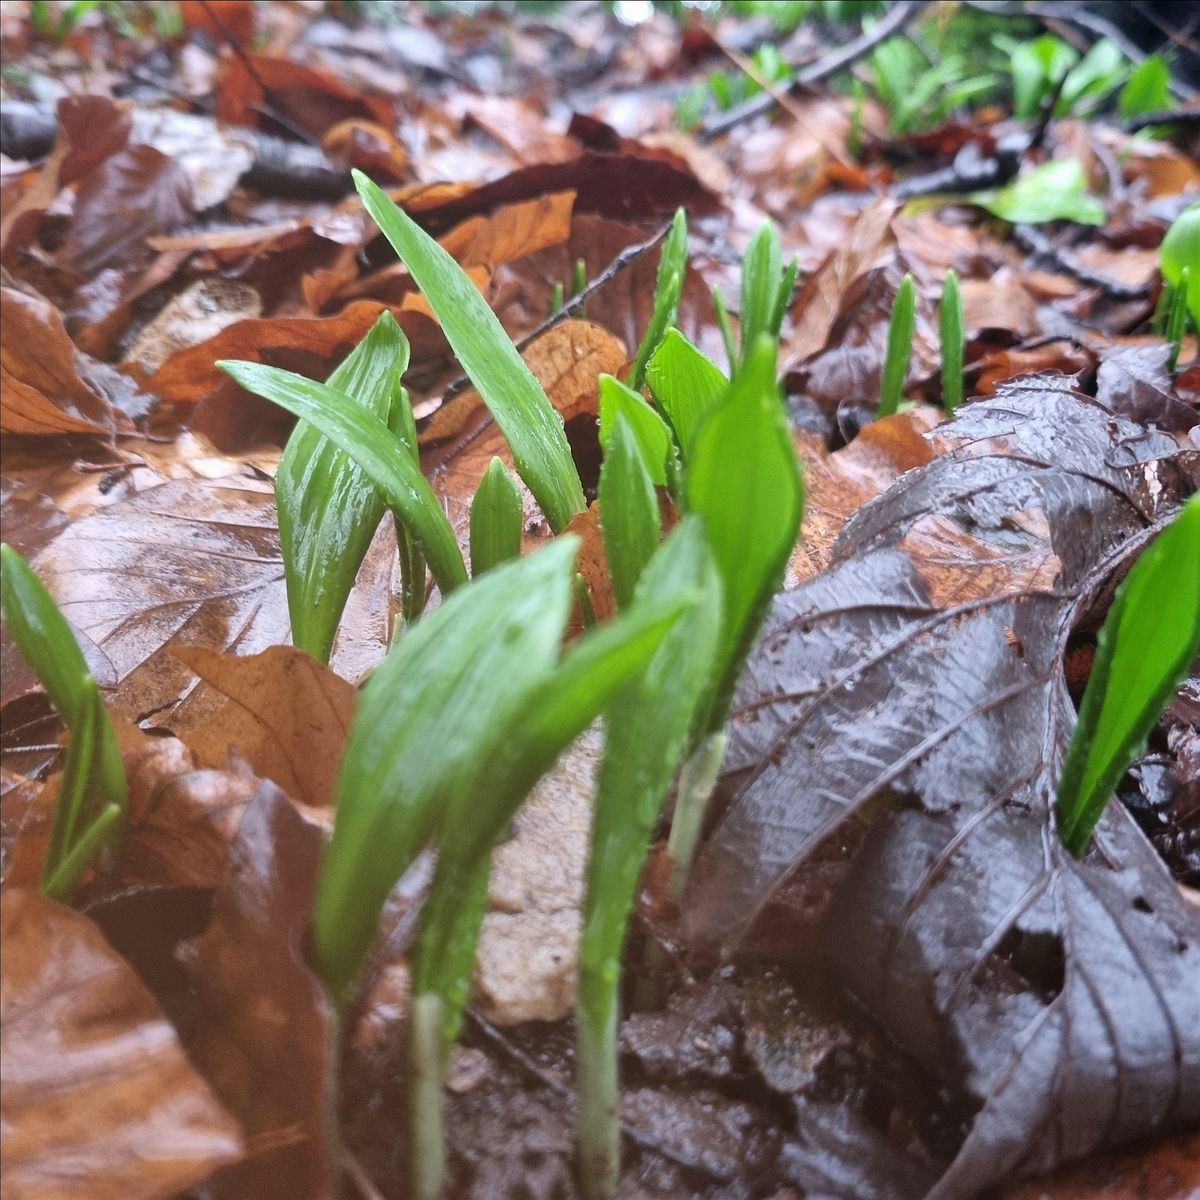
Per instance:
x=99, y=1098
x=1058, y=994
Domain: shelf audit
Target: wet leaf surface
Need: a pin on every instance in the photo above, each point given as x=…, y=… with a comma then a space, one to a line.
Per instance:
x=99, y=1097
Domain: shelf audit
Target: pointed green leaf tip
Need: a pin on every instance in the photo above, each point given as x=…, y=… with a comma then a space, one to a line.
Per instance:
x=526, y=417
x=672, y=265
x=1147, y=643
x=629, y=518
x=899, y=348
x=496, y=517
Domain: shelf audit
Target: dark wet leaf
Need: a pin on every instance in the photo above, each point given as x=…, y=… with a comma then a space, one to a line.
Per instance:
x=1064, y=1000
x=1134, y=381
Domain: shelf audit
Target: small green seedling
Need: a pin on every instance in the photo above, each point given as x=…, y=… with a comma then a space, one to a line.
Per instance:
x=1177, y=315
x=686, y=385
x=629, y=515
x=950, y=331
x=918, y=93
x=496, y=517
x=1147, y=89
x=328, y=509
x=1053, y=191
x=92, y=794
x=529, y=422
x=1179, y=252
x=649, y=430
x=376, y=450
x=1146, y=645
x=1040, y=65
x=668, y=286
x=766, y=289
x=899, y=348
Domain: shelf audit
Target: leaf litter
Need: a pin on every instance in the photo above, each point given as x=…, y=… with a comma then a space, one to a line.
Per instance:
x=888, y=980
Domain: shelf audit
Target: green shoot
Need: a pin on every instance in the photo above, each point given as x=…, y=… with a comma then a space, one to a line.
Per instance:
x=950, y=329
x=92, y=793
x=375, y=450
x=523, y=412
x=744, y=480
x=899, y=348
x=403, y=425
x=1147, y=89
x=1177, y=316
x=1180, y=250
x=629, y=516
x=685, y=384
x=672, y=264
x=1038, y=67
x=647, y=729
x=725, y=325
x=1147, y=643
x=328, y=509
x=556, y=298
x=1053, y=191
x=578, y=277
x=766, y=288
x=650, y=431
x=496, y=516
x=918, y=93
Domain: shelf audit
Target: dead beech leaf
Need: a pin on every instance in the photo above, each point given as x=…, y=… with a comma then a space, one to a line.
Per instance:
x=512, y=231
x=995, y=369
x=283, y=710
x=90, y=128
x=998, y=303
x=42, y=392
x=592, y=564
x=368, y=146
x=189, y=376
x=132, y=195
x=517, y=124
x=100, y=1101
x=264, y=1042
x=461, y=439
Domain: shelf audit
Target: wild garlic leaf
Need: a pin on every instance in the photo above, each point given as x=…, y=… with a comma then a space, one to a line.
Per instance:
x=629, y=516
x=685, y=384
x=1051, y=192
x=743, y=478
x=41, y=633
x=523, y=412
x=427, y=726
x=1147, y=644
x=328, y=508
x=496, y=516
x=1180, y=251
x=650, y=431
x=672, y=265
x=899, y=348
x=375, y=449
x=762, y=269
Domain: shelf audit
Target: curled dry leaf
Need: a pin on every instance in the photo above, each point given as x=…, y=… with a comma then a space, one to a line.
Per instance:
x=367, y=145
x=42, y=391
x=283, y=710
x=100, y=1101
x=1064, y=1006
x=513, y=231
x=264, y=1040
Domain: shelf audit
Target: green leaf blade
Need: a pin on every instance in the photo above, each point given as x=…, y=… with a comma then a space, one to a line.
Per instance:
x=629, y=516
x=328, y=509
x=1147, y=643
x=686, y=384
x=523, y=412
x=374, y=449
x=650, y=432
x=496, y=517
x=899, y=348
x=950, y=331
x=672, y=265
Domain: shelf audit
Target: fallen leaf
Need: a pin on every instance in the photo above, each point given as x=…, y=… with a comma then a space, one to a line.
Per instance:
x=284, y=711
x=1061, y=355
x=513, y=231
x=265, y=1041
x=1135, y=382
x=100, y=1100
x=368, y=146
x=863, y=696
x=999, y=303
x=42, y=390
x=518, y=125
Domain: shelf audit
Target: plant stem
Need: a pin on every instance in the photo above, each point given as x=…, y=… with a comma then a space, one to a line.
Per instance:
x=427, y=1147
x=596, y=1075
x=697, y=779
x=950, y=327
x=899, y=348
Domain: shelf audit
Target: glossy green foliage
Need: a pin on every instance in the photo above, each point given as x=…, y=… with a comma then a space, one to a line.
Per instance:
x=629, y=516
x=672, y=265
x=918, y=93
x=649, y=430
x=899, y=348
x=686, y=385
x=1039, y=65
x=1177, y=314
x=648, y=726
x=92, y=793
x=1053, y=191
x=1149, y=639
x=766, y=288
x=743, y=478
x=328, y=509
x=496, y=518
x=1146, y=90
x=377, y=452
x=523, y=412
x=1180, y=250
x=950, y=331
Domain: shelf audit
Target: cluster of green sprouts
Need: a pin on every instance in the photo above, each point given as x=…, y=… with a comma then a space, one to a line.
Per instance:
x=475, y=701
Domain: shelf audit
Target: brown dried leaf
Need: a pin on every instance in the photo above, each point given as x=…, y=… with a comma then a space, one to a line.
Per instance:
x=264, y=1042
x=513, y=231
x=368, y=146
x=283, y=710
x=100, y=1101
x=42, y=391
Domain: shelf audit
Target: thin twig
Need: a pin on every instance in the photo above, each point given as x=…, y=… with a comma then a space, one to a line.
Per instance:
x=573, y=304
x=1164, y=116
x=1032, y=240
x=893, y=21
